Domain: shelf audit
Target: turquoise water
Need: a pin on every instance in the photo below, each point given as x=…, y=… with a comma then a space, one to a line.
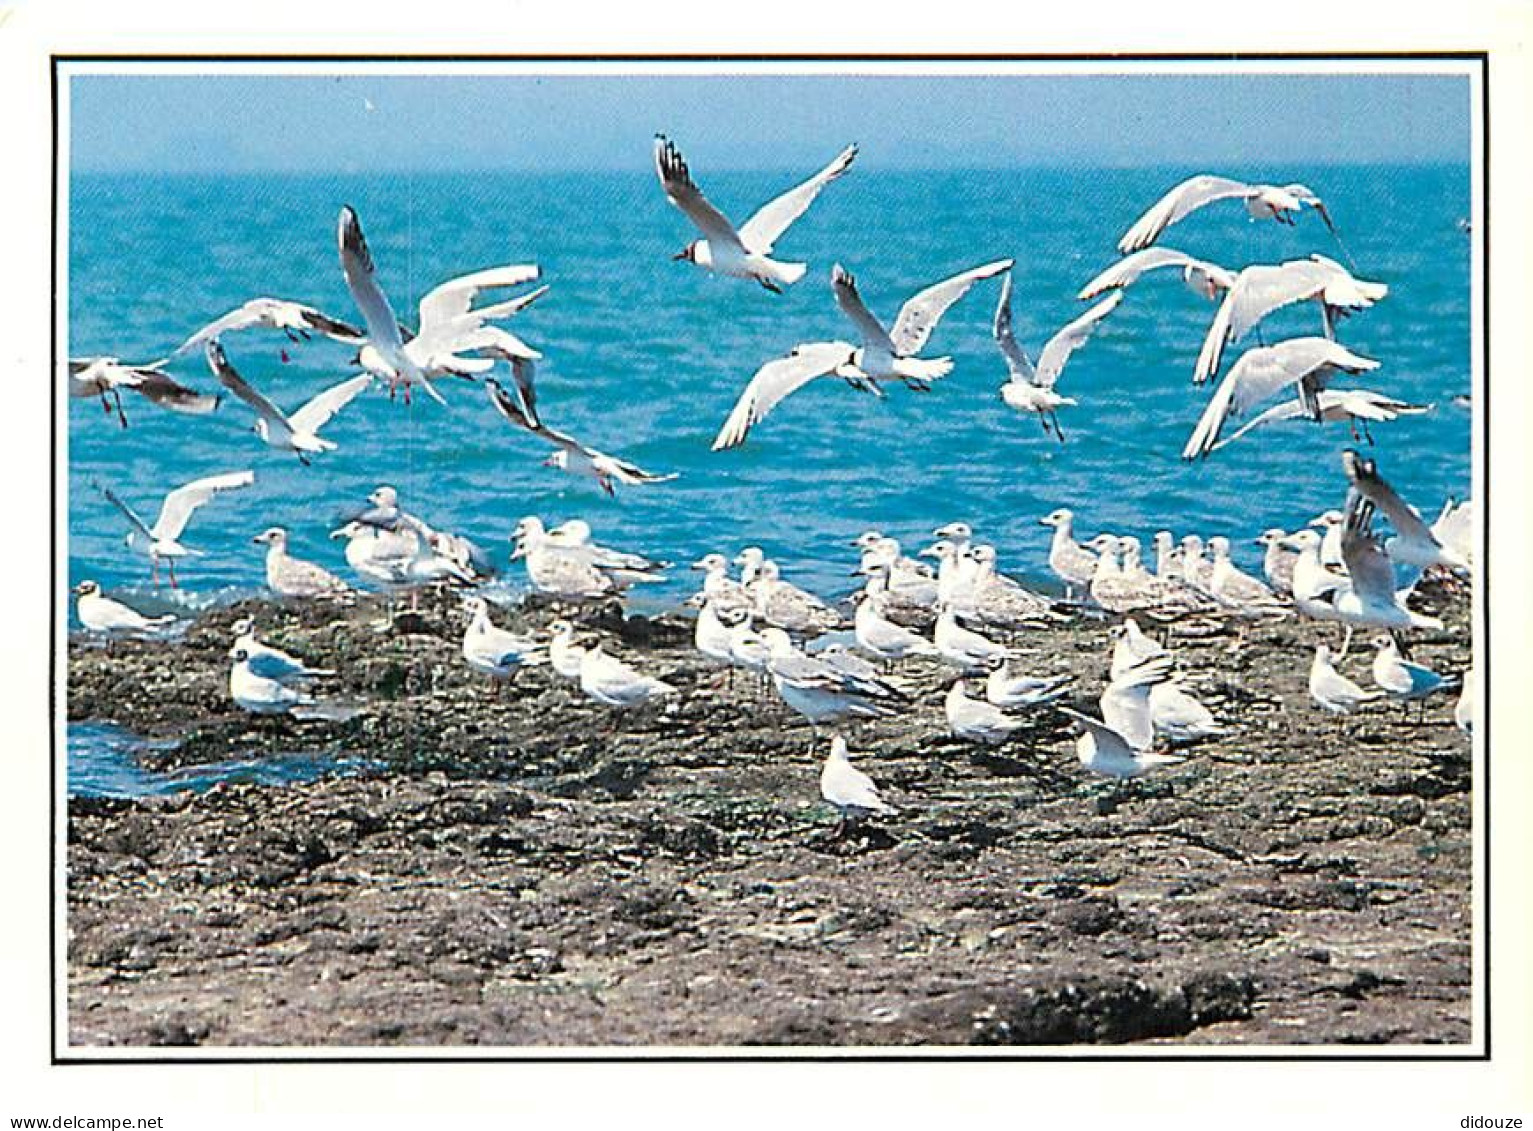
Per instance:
x=645, y=357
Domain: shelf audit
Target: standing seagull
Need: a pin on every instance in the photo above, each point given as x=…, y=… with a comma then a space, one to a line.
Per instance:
x=850, y=790
x=298, y=433
x=744, y=253
x=288, y=576
x=99, y=613
x=1262, y=202
x=885, y=355
x=1402, y=679
x=1031, y=389
x=162, y=540
x=1332, y=690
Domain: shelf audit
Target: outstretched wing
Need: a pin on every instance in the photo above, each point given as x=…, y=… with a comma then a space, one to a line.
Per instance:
x=1016, y=357
x=229, y=378
x=1126, y=701
x=920, y=315
x=776, y=380
x=274, y=312
x=455, y=298
x=127, y=511
x=362, y=281
x=1128, y=269
x=766, y=227
x=1051, y=362
x=683, y=192
x=843, y=285
x=169, y=393
x=178, y=506
x=1367, y=481
x=317, y=412
x=1368, y=565
x=1257, y=292
x=1186, y=197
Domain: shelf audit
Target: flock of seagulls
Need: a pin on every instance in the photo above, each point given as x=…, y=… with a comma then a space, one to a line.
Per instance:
x=949, y=606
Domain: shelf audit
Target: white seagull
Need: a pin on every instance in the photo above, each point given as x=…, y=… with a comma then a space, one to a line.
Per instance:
x=1402, y=679
x=1355, y=406
x=1305, y=364
x=744, y=253
x=1263, y=288
x=293, y=318
x=846, y=787
x=263, y=695
x=1333, y=691
x=1262, y=202
x=1102, y=750
x=1371, y=599
x=270, y=662
x=101, y=614
x=162, y=541
x=572, y=457
x=977, y=720
x=1071, y=562
x=491, y=649
x=1031, y=388
x=1202, y=278
x=298, y=433
x=885, y=355
x=881, y=637
x=107, y=376
x=1414, y=542
x=965, y=649
x=610, y=681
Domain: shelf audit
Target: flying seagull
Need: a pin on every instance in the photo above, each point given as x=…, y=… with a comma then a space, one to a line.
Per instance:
x=163, y=539
x=449, y=326
x=295, y=319
x=1031, y=388
x=1306, y=364
x=298, y=433
x=744, y=253
x=572, y=457
x=1356, y=406
x=1202, y=278
x=1414, y=543
x=106, y=376
x=1262, y=202
x=885, y=355
x=1261, y=289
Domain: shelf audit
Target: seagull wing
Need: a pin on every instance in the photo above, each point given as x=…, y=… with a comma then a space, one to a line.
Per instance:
x=776, y=380
x=1128, y=269
x=253, y=313
x=1051, y=362
x=127, y=512
x=1257, y=292
x=361, y=280
x=275, y=312
x=1126, y=701
x=178, y=506
x=229, y=378
x=1186, y=197
x=1017, y=361
x=844, y=285
x=766, y=227
x=166, y=392
x=317, y=411
x=454, y=299
x=1367, y=481
x=1109, y=743
x=1368, y=564
x=920, y=315
x=683, y=192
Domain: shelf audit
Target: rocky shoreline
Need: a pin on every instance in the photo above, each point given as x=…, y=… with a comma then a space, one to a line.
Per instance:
x=519, y=866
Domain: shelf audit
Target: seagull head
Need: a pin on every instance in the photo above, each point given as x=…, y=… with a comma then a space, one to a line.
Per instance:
x=750, y=556
x=868, y=539
x=475, y=606
x=958, y=531
x=274, y=536
x=1384, y=642
x=384, y=496
x=1220, y=546
x=1328, y=519
x=350, y=530
x=87, y=589
x=1192, y=544
x=1301, y=540
x=1272, y=536
x=1164, y=540
x=940, y=550
x=711, y=563
x=1103, y=543
x=777, y=641
x=1056, y=517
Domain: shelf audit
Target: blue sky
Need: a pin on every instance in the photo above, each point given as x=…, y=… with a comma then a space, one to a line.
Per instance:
x=369, y=123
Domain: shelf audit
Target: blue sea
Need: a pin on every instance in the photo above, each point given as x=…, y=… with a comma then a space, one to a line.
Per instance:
x=645, y=357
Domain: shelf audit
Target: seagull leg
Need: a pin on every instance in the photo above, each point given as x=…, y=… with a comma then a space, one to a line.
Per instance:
x=172, y=567
x=1346, y=643
x=303, y=459
x=288, y=330
x=606, y=485
x=154, y=570
x=1058, y=431
x=1367, y=433
x=1352, y=424
x=117, y=400
x=407, y=395
x=769, y=285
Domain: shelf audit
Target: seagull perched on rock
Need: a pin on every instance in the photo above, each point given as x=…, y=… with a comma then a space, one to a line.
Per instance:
x=1278, y=560
x=977, y=720
x=491, y=649
x=1263, y=288
x=1306, y=365
x=572, y=457
x=967, y=650
x=885, y=355
x=1031, y=388
x=610, y=681
x=106, y=377
x=263, y=695
x=1009, y=690
x=270, y=662
x=1262, y=202
x=1400, y=678
x=744, y=253
x=1333, y=691
x=881, y=637
x=1071, y=562
x=103, y=615
x=1371, y=598
x=821, y=691
x=288, y=576
x=162, y=541
x=850, y=790
x=298, y=433
x=1202, y=278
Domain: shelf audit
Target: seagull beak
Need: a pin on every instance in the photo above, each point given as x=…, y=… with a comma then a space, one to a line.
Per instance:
x=339, y=532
